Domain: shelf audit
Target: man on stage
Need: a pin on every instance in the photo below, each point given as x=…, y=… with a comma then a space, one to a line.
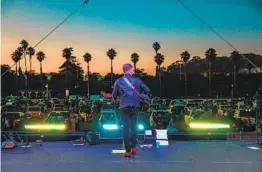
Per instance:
x=127, y=89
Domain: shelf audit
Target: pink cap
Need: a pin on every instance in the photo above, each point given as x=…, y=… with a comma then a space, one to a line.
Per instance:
x=127, y=67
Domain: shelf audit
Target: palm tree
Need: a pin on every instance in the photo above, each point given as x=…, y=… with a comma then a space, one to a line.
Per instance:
x=30, y=51
x=111, y=53
x=24, y=45
x=67, y=54
x=134, y=59
x=210, y=56
x=159, y=59
x=156, y=47
x=20, y=50
x=87, y=58
x=185, y=56
x=16, y=57
x=40, y=57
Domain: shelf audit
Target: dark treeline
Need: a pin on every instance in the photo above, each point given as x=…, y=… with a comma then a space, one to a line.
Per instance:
x=209, y=76
x=172, y=85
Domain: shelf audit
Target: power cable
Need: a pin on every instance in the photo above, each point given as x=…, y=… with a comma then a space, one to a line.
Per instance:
x=216, y=33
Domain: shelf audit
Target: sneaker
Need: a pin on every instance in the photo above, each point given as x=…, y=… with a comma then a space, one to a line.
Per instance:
x=133, y=150
x=127, y=154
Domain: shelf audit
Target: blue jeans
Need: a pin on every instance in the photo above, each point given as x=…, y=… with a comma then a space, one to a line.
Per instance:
x=129, y=121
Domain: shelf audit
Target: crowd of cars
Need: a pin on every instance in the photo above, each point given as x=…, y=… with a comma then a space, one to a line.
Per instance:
x=80, y=114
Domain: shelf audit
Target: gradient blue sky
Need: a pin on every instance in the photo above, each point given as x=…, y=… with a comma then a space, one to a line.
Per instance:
x=129, y=26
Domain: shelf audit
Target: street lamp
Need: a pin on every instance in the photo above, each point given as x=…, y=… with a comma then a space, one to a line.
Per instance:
x=232, y=91
x=88, y=86
x=48, y=78
x=46, y=86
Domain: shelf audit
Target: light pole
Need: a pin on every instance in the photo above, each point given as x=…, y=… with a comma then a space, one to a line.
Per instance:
x=47, y=92
x=232, y=91
x=86, y=79
x=26, y=107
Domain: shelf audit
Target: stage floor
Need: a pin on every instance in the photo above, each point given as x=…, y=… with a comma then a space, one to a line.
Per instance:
x=179, y=156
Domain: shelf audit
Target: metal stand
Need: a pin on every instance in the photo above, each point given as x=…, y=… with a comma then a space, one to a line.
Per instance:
x=258, y=128
x=258, y=125
x=258, y=115
x=26, y=143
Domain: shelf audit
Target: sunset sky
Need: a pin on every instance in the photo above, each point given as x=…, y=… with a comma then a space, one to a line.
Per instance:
x=129, y=26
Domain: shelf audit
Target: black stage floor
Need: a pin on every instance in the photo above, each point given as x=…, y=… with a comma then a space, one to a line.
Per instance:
x=179, y=156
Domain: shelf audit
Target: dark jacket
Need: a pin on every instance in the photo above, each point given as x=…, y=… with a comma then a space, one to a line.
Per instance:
x=128, y=97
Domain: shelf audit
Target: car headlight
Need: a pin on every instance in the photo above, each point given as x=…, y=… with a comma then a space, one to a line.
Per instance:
x=110, y=126
x=141, y=127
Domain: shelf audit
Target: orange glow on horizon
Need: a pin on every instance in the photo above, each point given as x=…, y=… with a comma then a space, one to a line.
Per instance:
x=97, y=43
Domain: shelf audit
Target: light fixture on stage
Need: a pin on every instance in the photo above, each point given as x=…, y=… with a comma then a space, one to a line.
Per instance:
x=45, y=127
x=208, y=126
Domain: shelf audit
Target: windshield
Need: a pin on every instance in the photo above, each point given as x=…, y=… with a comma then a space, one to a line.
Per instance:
x=108, y=116
x=64, y=114
x=60, y=109
x=108, y=106
x=13, y=116
x=59, y=106
x=34, y=109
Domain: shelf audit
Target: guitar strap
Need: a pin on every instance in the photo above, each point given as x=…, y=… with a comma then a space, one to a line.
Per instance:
x=133, y=88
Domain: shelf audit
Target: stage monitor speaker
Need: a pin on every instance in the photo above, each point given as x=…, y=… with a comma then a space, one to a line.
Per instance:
x=150, y=137
x=92, y=138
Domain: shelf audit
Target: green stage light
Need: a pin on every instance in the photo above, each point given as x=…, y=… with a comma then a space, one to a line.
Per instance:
x=141, y=127
x=208, y=125
x=110, y=127
x=46, y=127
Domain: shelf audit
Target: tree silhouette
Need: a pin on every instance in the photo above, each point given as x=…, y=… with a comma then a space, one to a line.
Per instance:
x=111, y=53
x=195, y=59
x=135, y=59
x=67, y=54
x=16, y=57
x=24, y=45
x=141, y=73
x=20, y=52
x=159, y=59
x=87, y=58
x=210, y=56
x=40, y=56
x=30, y=51
x=185, y=56
x=156, y=46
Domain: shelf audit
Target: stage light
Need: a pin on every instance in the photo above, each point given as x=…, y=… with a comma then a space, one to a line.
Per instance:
x=141, y=127
x=110, y=126
x=208, y=125
x=46, y=127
